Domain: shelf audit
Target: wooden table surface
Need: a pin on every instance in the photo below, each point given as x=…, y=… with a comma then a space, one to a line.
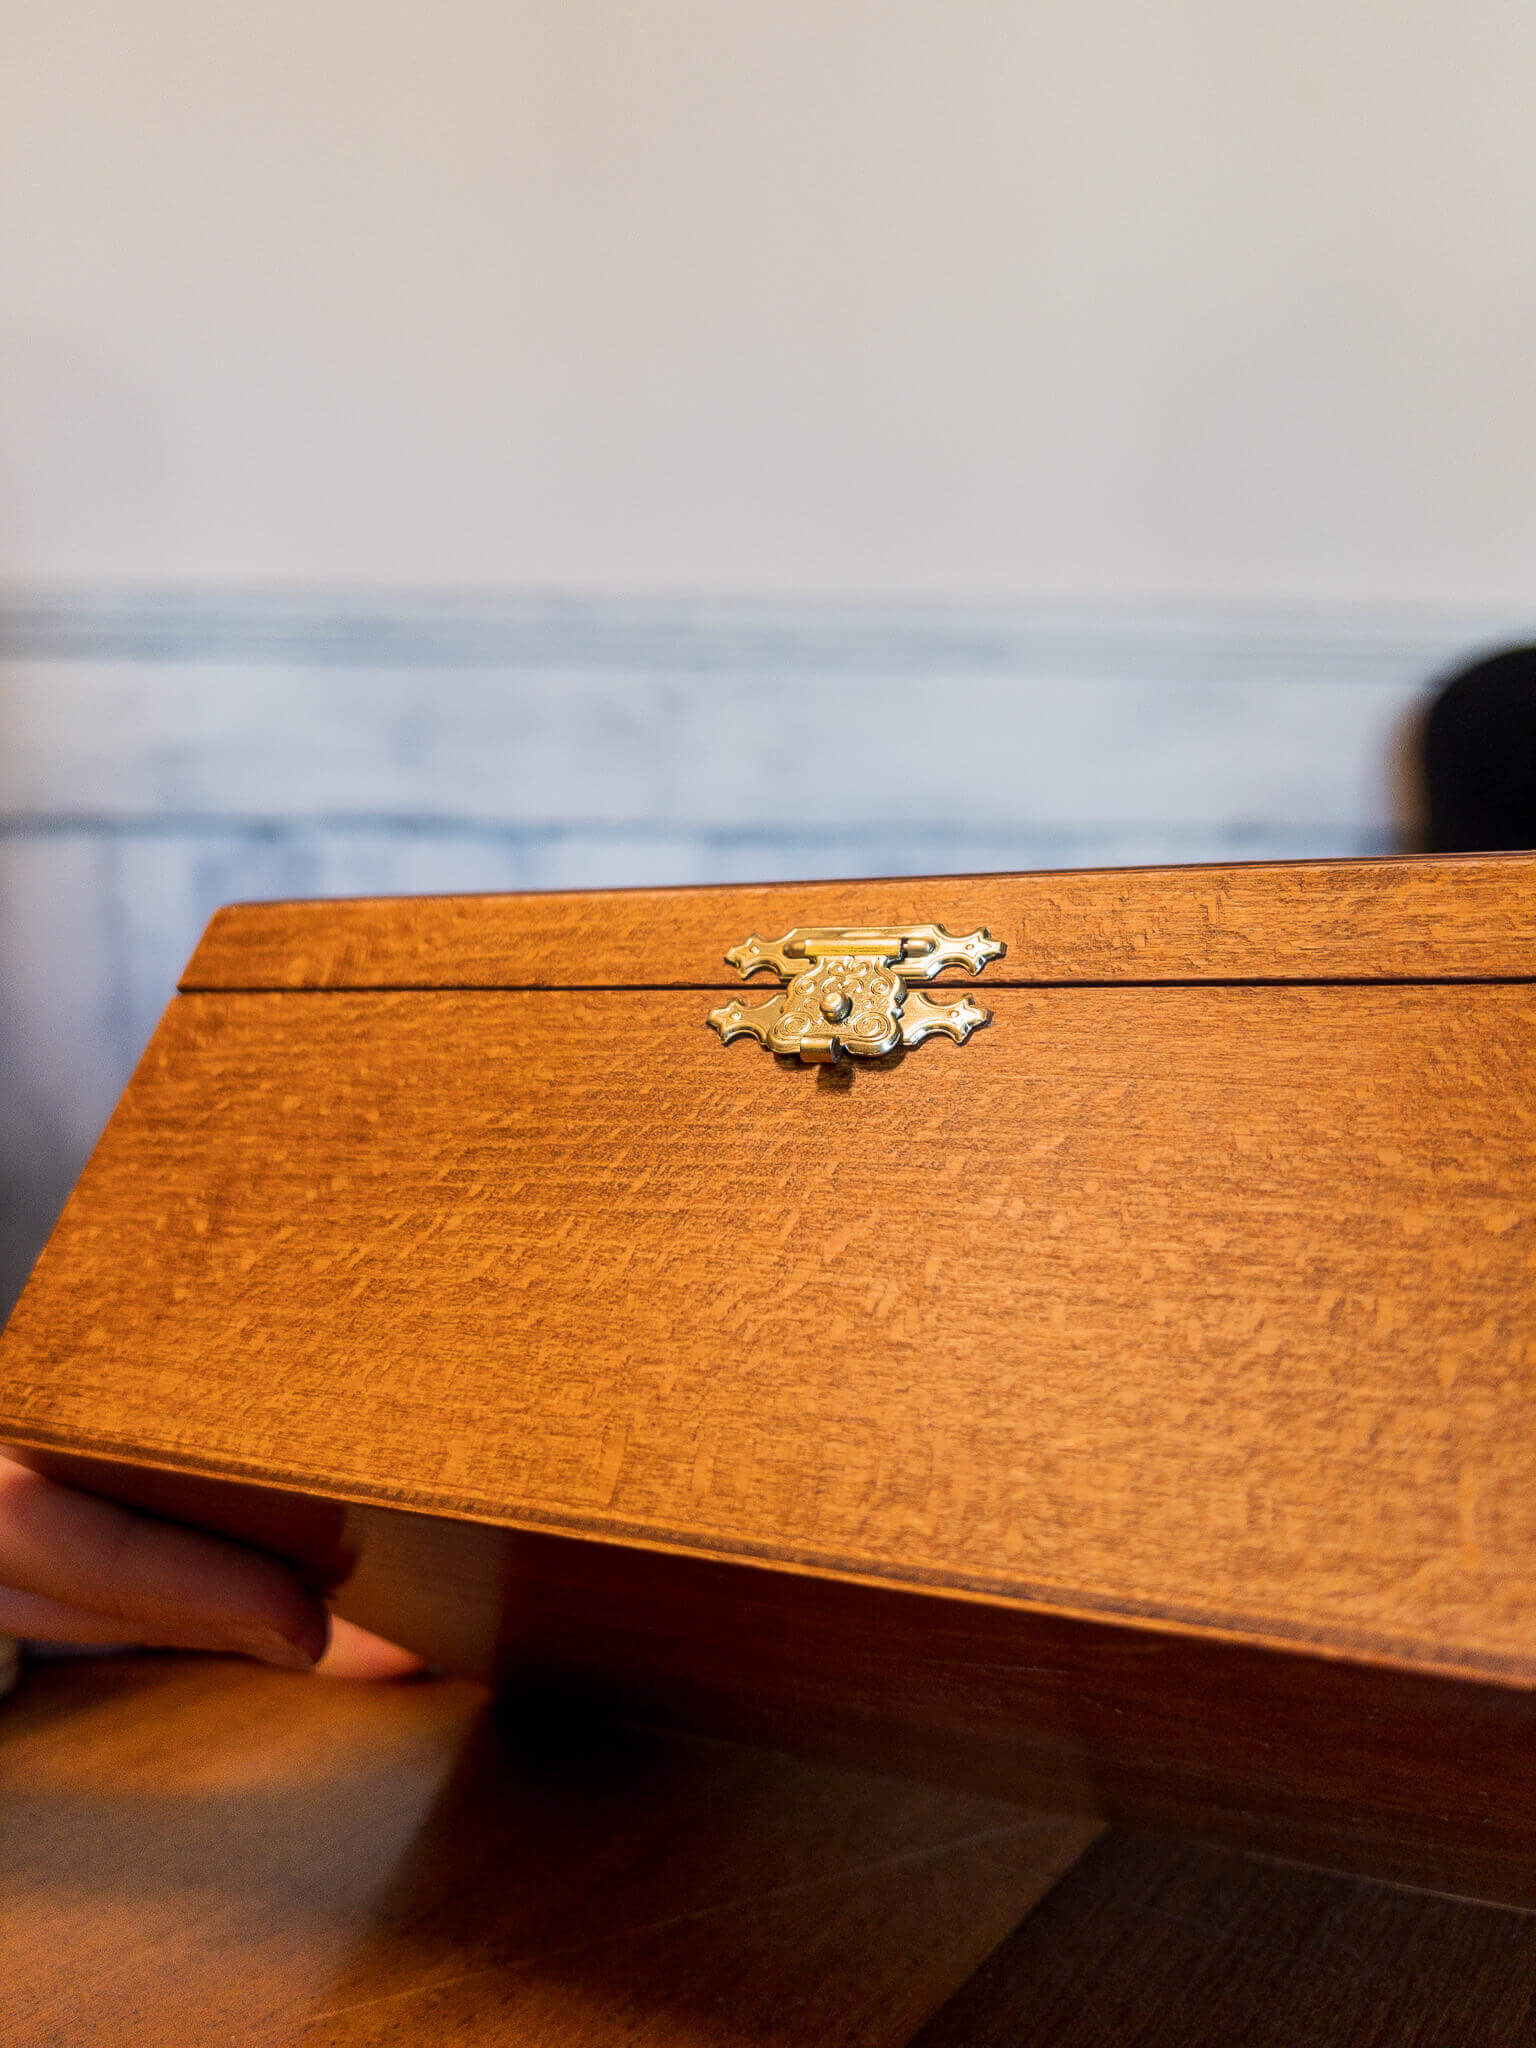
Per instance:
x=195, y=1851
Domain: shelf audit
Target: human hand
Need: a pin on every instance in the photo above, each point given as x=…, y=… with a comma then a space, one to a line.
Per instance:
x=75, y=1569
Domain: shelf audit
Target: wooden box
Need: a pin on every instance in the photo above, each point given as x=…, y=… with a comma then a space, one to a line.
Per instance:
x=1129, y=1408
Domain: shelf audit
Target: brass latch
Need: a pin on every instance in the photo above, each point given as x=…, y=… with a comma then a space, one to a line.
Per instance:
x=848, y=989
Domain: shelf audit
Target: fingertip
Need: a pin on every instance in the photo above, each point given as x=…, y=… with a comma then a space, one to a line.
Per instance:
x=358, y=1653
x=270, y=1615
x=268, y=1647
x=312, y=1639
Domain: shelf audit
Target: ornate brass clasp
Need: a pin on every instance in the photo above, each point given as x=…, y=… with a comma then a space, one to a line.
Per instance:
x=849, y=989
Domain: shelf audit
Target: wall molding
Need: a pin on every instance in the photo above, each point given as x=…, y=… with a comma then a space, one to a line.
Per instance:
x=691, y=634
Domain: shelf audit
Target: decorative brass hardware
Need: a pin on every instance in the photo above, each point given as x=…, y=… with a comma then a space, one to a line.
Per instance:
x=848, y=989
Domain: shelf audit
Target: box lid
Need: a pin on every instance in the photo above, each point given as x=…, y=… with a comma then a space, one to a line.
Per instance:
x=1451, y=918
x=1196, y=1290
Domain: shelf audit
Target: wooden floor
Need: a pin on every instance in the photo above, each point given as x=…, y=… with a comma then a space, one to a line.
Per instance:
x=194, y=1851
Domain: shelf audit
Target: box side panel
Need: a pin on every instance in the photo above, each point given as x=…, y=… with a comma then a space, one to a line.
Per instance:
x=1413, y=1776
x=1208, y=1307
x=1395, y=1774
x=1390, y=920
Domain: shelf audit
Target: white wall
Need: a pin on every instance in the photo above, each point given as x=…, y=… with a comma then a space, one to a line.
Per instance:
x=943, y=295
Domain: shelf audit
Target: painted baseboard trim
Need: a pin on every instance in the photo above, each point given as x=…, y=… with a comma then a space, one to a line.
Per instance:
x=683, y=634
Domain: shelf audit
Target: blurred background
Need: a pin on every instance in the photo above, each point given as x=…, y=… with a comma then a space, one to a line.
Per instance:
x=550, y=443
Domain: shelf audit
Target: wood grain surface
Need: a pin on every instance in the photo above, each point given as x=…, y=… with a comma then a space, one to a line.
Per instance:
x=1150, y=1943
x=1207, y=1307
x=1401, y=1774
x=199, y=1852
x=1458, y=917
x=1395, y=1773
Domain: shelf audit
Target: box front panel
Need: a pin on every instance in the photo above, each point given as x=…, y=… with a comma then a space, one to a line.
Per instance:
x=1211, y=1305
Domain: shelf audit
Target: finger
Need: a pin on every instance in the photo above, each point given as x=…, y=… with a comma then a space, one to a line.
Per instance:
x=38, y=1620
x=150, y=1581
x=358, y=1653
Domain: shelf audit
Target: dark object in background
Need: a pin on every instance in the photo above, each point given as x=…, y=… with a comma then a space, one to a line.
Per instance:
x=1480, y=758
